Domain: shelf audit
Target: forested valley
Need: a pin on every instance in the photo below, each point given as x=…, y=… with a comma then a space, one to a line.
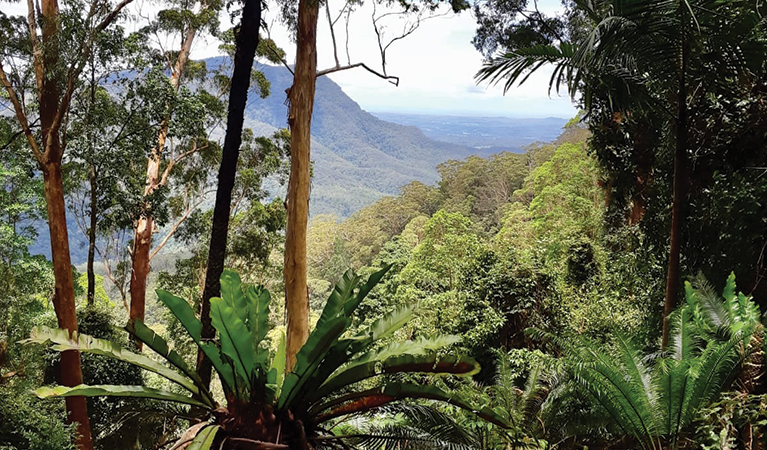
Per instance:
x=603, y=290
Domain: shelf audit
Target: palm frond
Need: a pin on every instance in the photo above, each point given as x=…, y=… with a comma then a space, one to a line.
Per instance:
x=421, y=427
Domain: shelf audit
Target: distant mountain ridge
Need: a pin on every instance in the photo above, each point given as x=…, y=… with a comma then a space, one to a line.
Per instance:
x=486, y=133
x=358, y=157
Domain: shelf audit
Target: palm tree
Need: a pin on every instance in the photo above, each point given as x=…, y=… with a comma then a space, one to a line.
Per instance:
x=639, y=57
x=265, y=407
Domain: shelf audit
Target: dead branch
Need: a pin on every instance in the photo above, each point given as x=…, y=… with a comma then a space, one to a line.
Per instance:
x=274, y=53
x=383, y=45
x=390, y=78
x=332, y=32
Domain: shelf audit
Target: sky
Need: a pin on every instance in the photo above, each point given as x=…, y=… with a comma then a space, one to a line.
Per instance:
x=436, y=65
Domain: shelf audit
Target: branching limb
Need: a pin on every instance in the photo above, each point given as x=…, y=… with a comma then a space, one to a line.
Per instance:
x=383, y=45
x=390, y=78
x=341, y=13
x=20, y=115
x=181, y=220
x=177, y=159
x=77, y=67
x=113, y=246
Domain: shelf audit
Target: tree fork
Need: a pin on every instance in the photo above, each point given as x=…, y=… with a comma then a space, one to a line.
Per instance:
x=301, y=97
x=246, y=43
x=142, y=233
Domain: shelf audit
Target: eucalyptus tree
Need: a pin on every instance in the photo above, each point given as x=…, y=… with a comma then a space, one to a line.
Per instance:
x=45, y=54
x=111, y=126
x=181, y=131
x=303, y=18
x=621, y=67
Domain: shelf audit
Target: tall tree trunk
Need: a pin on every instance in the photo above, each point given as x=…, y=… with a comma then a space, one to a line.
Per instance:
x=142, y=232
x=64, y=296
x=93, y=195
x=50, y=164
x=680, y=193
x=142, y=242
x=246, y=42
x=92, y=235
x=301, y=97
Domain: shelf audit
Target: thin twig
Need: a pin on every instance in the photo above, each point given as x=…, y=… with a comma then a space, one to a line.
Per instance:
x=332, y=32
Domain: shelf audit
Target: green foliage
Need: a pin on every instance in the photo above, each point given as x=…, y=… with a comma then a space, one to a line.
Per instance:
x=719, y=424
x=411, y=424
x=654, y=400
x=28, y=424
x=26, y=289
x=327, y=366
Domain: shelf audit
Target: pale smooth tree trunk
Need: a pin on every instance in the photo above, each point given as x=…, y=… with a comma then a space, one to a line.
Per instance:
x=301, y=97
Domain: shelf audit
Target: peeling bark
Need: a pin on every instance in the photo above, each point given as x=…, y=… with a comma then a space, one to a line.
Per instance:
x=301, y=97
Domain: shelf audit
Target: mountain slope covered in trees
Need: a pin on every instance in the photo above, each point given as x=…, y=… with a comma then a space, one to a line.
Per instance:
x=358, y=158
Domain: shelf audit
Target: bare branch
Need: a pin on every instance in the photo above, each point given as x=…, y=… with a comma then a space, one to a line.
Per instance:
x=106, y=262
x=391, y=79
x=332, y=32
x=177, y=224
x=378, y=39
x=348, y=18
x=341, y=13
x=409, y=29
x=275, y=54
x=383, y=45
